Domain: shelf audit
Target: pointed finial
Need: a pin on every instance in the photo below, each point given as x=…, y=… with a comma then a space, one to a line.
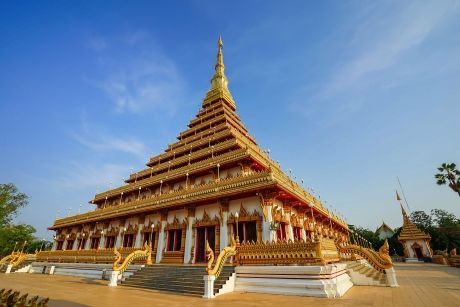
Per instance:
x=219, y=82
x=220, y=44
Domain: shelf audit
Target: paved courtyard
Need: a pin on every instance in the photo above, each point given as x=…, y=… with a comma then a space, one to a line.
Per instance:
x=420, y=285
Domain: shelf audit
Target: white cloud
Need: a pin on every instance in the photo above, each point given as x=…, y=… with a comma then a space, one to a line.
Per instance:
x=137, y=75
x=112, y=143
x=381, y=53
x=149, y=84
x=383, y=39
x=98, y=140
x=96, y=176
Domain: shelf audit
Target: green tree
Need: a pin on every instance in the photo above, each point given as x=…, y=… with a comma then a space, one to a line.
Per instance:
x=442, y=218
x=10, y=202
x=449, y=175
x=16, y=237
x=367, y=234
x=422, y=220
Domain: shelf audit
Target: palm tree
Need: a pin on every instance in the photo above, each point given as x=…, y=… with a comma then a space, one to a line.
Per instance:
x=449, y=173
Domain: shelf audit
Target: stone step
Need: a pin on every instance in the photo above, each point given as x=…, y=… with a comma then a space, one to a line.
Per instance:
x=179, y=279
x=185, y=292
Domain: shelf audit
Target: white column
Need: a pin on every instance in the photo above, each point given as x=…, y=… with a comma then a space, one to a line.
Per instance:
x=161, y=241
x=88, y=241
x=138, y=242
x=188, y=239
x=391, y=278
x=102, y=242
x=267, y=234
x=224, y=231
x=303, y=234
x=289, y=232
x=54, y=245
x=209, y=286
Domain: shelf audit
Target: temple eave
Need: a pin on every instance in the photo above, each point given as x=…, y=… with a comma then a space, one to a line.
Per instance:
x=252, y=183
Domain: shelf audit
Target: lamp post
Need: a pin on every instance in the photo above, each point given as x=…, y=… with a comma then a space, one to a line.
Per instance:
x=161, y=184
x=123, y=237
x=149, y=257
x=218, y=172
x=139, y=194
x=121, y=197
x=186, y=181
x=237, y=236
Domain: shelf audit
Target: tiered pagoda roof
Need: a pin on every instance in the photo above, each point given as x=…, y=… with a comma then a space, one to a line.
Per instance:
x=410, y=231
x=215, y=139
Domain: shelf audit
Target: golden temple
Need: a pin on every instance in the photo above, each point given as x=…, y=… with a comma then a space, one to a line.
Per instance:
x=213, y=198
x=192, y=191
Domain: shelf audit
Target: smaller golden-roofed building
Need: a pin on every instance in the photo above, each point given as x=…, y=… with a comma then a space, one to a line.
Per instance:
x=415, y=242
x=384, y=231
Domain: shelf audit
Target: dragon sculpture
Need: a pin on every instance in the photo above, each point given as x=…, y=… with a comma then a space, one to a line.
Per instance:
x=221, y=259
x=135, y=255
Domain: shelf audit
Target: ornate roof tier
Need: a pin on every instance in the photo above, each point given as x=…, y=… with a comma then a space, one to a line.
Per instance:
x=410, y=231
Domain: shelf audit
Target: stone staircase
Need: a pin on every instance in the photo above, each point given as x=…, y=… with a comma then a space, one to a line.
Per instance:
x=4, y=266
x=364, y=275
x=22, y=265
x=185, y=279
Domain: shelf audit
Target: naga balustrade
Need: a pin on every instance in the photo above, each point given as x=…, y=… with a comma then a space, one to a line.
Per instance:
x=140, y=254
x=227, y=252
x=380, y=260
x=287, y=252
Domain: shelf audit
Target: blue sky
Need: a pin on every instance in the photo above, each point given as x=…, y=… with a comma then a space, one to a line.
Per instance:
x=347, y=94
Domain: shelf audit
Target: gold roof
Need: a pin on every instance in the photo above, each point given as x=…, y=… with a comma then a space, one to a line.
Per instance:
x=215, y=138
x=410, y=231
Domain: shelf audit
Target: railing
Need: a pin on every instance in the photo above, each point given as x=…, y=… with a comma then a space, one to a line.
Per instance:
x=83, y=256
x=227, y=252
x=284, y=252
x=142, y=254
x=380, y=260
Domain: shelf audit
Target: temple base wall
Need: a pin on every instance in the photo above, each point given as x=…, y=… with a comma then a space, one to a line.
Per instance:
x=86, y=270
x=316, y=281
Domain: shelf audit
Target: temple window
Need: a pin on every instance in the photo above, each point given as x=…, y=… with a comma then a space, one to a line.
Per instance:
x=297, y=231
x=174, y=240
x=148, y=236
x=128, y=240
x=69, y=244
x=281, y=232
x=81, y=243
x=60, y=245
x=94, y=243
x=247, y=231
x=109, y=241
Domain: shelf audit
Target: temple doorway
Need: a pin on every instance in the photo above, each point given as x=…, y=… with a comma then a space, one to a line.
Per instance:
x=418, y=252
x=203, y=234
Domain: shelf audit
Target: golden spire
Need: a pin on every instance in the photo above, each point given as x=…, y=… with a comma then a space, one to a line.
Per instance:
x=219, y=82
x=405, y=216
